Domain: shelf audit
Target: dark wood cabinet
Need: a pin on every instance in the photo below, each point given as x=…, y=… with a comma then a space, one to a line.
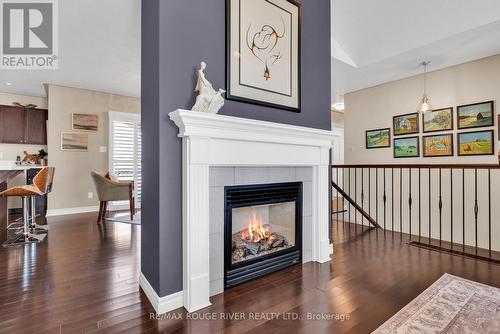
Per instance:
x=12, y=125
x=23, y=126
x=36, y=126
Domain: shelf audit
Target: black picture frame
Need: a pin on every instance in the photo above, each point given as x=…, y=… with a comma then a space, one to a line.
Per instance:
x=403, y=138
x=452, y=123
x=492, y=103
x=230, y=96
x=492, y=152
x=374, y=130
x=395, y=133
x=424, y=151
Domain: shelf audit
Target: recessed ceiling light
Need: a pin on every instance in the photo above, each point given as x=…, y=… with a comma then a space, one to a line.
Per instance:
x=339, y=106
x=8, y=84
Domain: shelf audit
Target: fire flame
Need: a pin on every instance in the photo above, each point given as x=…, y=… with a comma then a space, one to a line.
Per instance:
x=256, y=230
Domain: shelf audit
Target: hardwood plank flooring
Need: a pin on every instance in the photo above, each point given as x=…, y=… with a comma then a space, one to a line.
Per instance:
x=84, y=279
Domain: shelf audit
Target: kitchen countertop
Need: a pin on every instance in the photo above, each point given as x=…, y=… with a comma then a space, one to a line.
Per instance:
x=7, y=165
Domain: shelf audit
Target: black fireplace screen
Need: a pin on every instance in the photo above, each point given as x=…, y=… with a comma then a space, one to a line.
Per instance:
x=263, y=230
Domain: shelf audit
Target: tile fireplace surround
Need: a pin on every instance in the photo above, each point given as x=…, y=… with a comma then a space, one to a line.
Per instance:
x=239, y=146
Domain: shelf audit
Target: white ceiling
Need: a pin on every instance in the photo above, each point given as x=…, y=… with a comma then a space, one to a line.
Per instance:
x=99, y=49
x=380, y=41
x=373, y=42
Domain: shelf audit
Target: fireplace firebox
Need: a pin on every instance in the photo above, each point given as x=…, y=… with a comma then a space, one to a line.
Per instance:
x=262, y=230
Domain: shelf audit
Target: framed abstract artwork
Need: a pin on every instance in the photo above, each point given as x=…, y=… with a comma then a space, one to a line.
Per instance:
x=378, y=138
x=263, y=52
x=438, y=120
x=475, y=115
x=405, y=124
x=438, y=145
x=85, y=122
x=407, y=147
x=476, y=143
x=74, y=141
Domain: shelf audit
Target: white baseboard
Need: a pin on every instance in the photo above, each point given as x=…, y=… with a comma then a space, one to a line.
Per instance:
x=161, y=304
x=81, y=209
x=71, y=211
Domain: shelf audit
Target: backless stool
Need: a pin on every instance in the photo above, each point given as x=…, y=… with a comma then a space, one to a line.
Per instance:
x=42, y=184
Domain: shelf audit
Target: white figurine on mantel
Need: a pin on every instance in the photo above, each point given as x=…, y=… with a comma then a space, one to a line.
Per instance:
x=208, y=100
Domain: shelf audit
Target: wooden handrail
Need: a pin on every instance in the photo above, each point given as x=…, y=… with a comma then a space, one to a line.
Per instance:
x=426, y=166
x=356, y=206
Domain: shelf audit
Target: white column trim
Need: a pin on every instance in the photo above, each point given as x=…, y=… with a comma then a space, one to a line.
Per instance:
x=195, y=224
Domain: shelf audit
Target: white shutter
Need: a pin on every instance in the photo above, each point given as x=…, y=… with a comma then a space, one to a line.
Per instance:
x=125, y=150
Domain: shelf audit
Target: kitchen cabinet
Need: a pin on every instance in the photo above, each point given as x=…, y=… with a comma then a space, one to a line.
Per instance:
x=20, y=125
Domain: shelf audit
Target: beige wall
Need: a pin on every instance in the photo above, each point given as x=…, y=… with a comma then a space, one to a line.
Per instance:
x=373, y=108
x=337, y=119
x=11, y=151
x=72, y=180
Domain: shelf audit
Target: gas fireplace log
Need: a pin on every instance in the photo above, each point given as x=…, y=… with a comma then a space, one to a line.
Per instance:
x=253, y=248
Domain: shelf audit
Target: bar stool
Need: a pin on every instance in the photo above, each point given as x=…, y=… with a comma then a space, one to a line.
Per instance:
x=42, y=184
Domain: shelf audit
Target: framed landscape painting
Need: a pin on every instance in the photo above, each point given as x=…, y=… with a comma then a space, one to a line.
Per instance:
x=438, y=120
x=475, y=115
x=438, y=145
x=263, y=52
x=405, y=124
x=378, y=138
x=476, y=143
x=85, y=122
x=406, y=147
x=74, y=141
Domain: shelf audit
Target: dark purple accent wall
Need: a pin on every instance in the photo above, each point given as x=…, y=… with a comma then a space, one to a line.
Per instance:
x=176, y=36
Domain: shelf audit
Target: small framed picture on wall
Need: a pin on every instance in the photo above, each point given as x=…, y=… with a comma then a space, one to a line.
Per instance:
x=378, y=138
x=405, y=124
x=476, y=143
x=438, y=120
x=408, y=147
x=438, y=145
x=475, y=115
x=74, y=141
x=85, y=122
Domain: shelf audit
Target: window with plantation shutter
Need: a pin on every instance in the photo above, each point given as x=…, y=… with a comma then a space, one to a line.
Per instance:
x=125, y=150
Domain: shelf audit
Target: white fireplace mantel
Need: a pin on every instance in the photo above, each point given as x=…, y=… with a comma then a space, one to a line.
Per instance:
x=217, y=140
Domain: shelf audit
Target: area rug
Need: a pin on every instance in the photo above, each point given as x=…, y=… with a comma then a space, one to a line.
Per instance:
x=450, y=305
x=125, y=219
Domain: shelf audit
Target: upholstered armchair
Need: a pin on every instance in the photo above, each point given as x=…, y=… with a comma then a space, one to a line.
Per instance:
x=110, y=189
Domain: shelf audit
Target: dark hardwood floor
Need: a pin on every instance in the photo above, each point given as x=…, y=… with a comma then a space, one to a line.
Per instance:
x=84, y=279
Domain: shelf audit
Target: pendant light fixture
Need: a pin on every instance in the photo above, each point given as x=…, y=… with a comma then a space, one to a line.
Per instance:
x=424, y=104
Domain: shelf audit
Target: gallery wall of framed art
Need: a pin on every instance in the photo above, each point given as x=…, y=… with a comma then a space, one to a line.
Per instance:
x=263, y=51
x=436, y=143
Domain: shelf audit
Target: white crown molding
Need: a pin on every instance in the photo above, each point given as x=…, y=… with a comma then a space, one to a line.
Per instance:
x=217, y=140
x=160, y=304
